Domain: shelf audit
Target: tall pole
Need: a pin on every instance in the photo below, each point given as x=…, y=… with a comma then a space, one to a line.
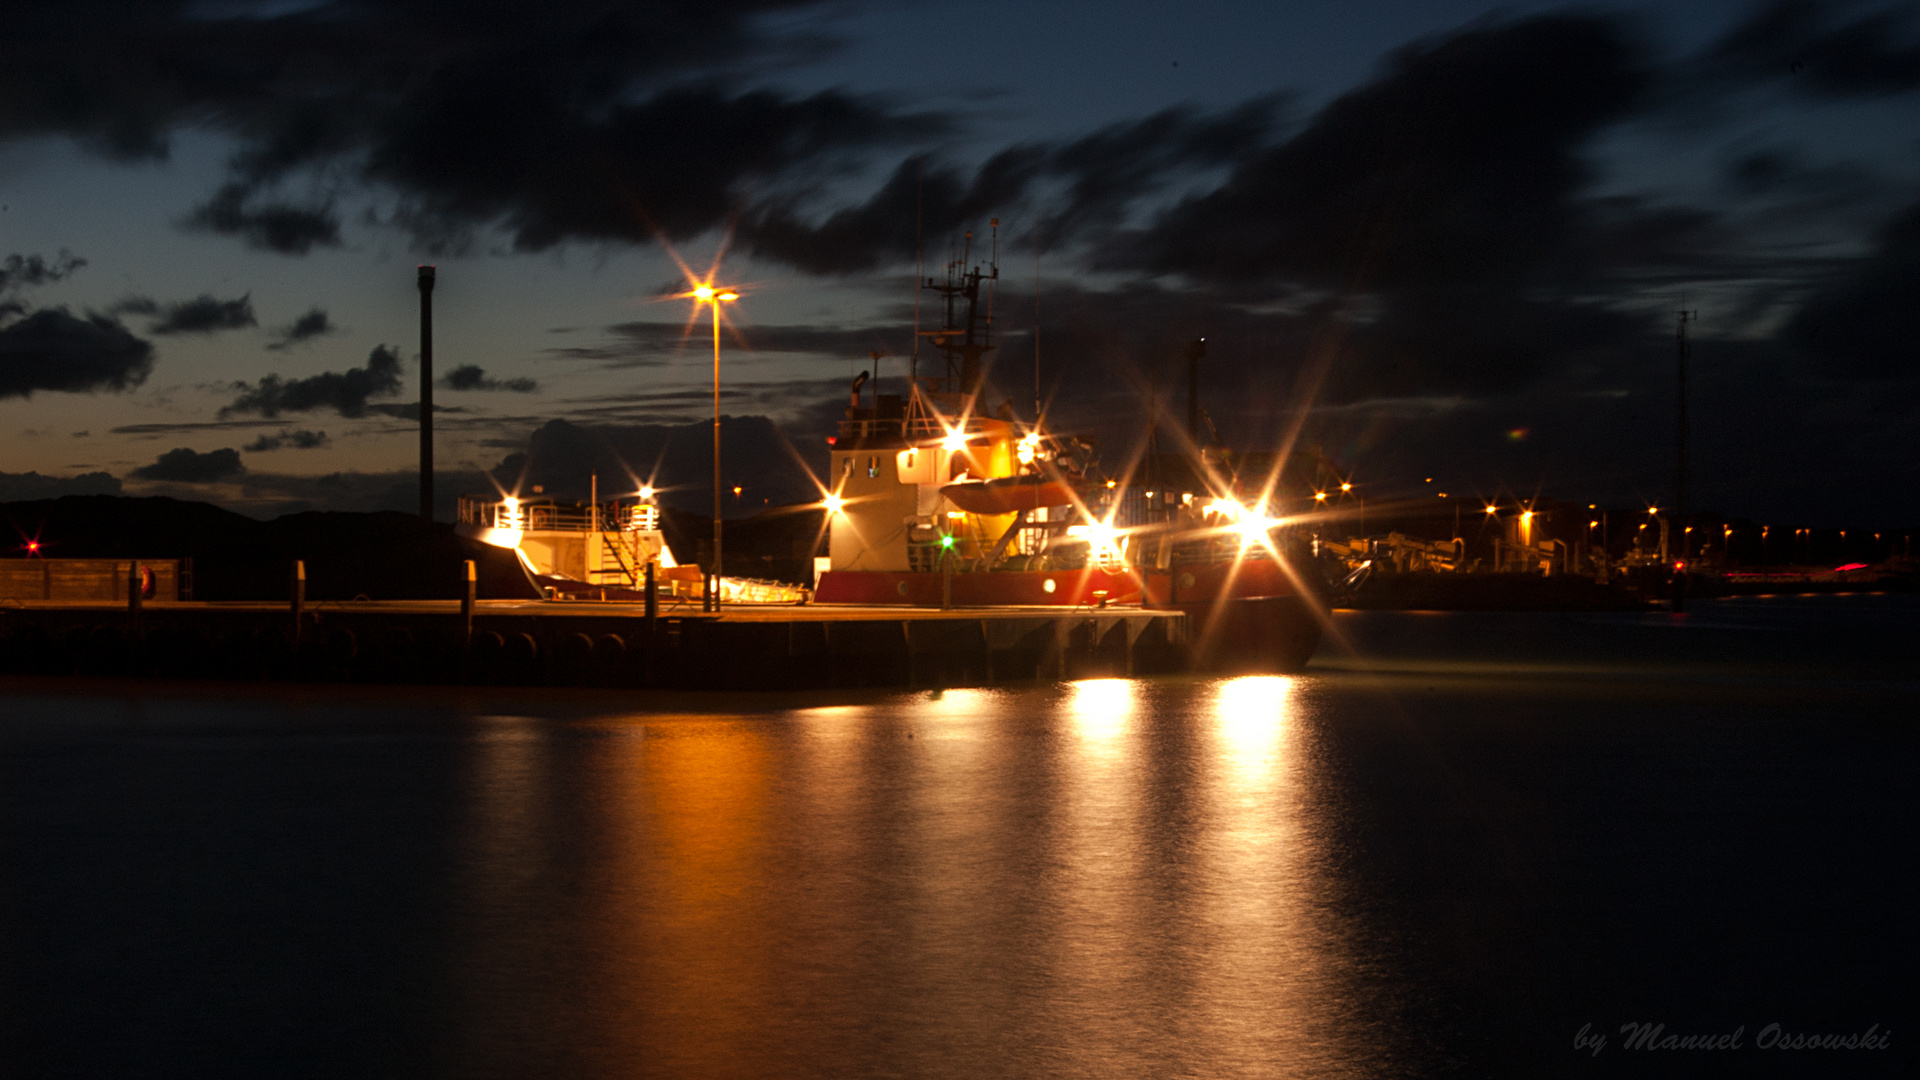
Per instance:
x=426, y=392
x=1680, y=457
x=716, y=452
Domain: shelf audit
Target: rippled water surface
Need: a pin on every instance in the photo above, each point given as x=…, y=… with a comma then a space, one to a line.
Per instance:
x=1443, y=850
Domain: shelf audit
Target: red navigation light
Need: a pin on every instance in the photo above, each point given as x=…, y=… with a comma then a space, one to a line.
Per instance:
x=33, y=545
x=1850, y=566
x=831, y=440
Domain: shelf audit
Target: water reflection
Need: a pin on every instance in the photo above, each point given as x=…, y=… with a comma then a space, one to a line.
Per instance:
x=1103, y=878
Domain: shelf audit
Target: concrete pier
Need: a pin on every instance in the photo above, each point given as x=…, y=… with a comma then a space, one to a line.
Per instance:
x=545, y=643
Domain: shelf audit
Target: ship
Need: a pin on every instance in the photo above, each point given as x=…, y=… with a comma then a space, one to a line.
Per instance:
x=613, y=550
x=934, y=499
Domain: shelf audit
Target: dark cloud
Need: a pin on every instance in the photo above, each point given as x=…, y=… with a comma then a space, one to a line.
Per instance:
x=1460, y=163
x=51, y=349
x=267, y=224
x=650, y=344
x=21, y=487
x=27, y=271
x=149, y=431
x=313, y=324
x=345, y=392
x=474, y=377
x=186, y=466
x=1103, y=175
x=1824, y=48
x=205, y=314
x=294, y=439
x=571, y=119
x=1866, y=322
x=410, y=410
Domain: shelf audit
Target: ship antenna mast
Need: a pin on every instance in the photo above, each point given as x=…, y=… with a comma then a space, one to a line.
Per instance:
x=1036, y=336
x=913, y=360
x=993, y=283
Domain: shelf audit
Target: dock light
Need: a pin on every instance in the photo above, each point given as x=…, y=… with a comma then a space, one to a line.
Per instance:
x=1491, y=510
x=1652, y=510
x=1526, y=515
x=646, y=491
x=955, y=441
x=1443, y=494
x=833, y=503
x=1319, y=496
x=1110, y=483
x=736, y=491
x=1349, y=487
x=704, y=292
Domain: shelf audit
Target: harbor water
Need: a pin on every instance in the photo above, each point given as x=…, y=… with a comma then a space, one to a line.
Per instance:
x=1459, y=844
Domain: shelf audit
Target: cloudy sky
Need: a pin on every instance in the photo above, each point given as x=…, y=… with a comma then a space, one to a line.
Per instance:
x=1443, y=238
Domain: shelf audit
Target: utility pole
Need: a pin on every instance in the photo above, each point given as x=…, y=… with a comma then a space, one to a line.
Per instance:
x=1684, y=349
x=426, y=392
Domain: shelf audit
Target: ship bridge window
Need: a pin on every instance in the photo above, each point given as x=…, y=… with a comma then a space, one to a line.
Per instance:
x=873, y=467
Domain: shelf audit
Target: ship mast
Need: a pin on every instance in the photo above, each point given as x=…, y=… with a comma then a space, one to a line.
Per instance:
x=966, y=342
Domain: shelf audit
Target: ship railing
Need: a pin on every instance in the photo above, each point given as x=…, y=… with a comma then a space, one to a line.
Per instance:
x=914, y=429
x=557, y=517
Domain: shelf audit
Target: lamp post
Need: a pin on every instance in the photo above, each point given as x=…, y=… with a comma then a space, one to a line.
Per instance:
x=706, y=294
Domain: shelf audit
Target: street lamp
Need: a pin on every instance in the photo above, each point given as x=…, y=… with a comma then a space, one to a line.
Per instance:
x=706, y=293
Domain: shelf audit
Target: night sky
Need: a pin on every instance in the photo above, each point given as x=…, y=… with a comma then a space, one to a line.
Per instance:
x=1440, y=239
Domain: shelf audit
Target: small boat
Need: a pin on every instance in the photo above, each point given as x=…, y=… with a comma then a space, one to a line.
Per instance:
x=1009, y=494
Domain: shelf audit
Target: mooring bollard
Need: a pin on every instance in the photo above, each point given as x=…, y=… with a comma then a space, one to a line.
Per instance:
x=297, y=590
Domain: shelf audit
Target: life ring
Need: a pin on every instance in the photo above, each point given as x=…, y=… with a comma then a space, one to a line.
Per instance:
x=149, y=583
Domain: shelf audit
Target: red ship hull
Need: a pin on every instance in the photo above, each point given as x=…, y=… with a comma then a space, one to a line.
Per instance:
x=1242, y=617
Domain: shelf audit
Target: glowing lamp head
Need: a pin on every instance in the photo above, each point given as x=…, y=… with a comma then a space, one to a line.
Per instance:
x=946, y=541
x=33, y=545
x=646, y=491
x=834, y=504
x=1349, y=487
x=1319, y=496
x=1491, y=510
x=703, y=293
x=955, y=441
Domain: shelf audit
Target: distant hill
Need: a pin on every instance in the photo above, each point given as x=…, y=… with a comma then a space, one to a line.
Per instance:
x=382, y=555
